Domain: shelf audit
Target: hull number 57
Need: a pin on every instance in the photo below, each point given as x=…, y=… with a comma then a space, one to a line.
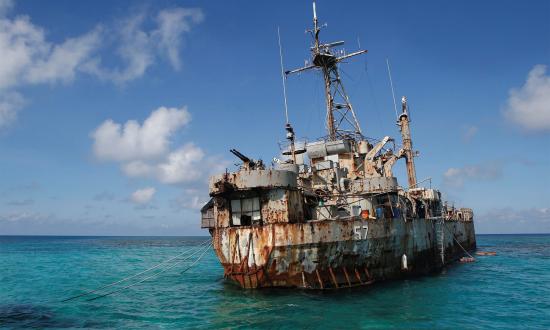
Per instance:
x=360, y=231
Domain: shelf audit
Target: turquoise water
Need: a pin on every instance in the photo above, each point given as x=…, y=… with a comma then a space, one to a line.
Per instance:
x=510, y=290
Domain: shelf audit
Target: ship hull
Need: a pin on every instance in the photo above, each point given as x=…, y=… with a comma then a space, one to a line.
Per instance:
x=333, y=253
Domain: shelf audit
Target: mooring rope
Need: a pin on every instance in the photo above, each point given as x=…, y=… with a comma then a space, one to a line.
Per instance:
x=198, y=247
x=457, y=242
x=204, y=250
x=194, y=262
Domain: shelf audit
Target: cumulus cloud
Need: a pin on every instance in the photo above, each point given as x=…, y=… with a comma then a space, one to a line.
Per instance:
x=182, y=165
x=134, y=142
x=133, y=48
x=145, y=150
x=139, y=47
x=137, y=168
x=456, y=176
x=143, y=196
x=171, y=25
x=28, y=58
x=179, y=166
x=529, y=105
x=64, y=59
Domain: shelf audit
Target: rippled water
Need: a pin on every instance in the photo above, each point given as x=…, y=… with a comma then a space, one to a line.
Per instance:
x=510, y=290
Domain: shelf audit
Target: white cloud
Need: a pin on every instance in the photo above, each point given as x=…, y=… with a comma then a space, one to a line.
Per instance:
x=529, y=106
x=182, y=165
x=143, y=196
x=10, y=104
x=135, y=142
x=171, y=25
x=21, y=44
x=456, y=176
x=133, y=47
x=137, y=168
x=179, y=166
x=28, y=58
x=138, y=47
x=145, y=150
x=64, y=59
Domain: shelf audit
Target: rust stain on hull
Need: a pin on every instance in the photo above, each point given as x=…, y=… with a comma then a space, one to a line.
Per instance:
x=327, y=254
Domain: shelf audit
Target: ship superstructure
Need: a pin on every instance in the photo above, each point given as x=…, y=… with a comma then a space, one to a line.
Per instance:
x=332, y=215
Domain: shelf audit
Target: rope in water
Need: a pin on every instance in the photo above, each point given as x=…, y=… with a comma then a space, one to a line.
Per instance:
x=194, y=262
x=204, y=250
x=198, y=247
x=457, y=242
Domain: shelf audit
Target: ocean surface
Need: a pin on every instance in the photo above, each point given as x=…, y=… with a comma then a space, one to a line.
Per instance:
x=507, y=291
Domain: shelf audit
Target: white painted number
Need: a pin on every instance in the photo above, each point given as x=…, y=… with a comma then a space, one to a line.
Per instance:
x=359, y=230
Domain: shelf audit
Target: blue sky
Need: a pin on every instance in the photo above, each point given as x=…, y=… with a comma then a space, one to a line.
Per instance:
x=113, y=114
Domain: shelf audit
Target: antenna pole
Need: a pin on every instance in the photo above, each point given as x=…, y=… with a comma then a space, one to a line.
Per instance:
x=288, y=127
x=315, y=26
x=282, y=73
x=314, y=12
x=391, y=84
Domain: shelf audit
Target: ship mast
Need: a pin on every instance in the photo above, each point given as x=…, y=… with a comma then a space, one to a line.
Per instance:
x=403, y=122
x=341, y=120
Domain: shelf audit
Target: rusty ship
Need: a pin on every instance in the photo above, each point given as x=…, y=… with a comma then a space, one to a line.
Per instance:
x=331, y=214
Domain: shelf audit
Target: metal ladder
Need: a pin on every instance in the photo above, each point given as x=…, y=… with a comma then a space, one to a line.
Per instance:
x=441, y=234
x=441, y=240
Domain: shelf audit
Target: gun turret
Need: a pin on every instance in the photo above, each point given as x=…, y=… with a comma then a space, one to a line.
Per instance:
x=248, y=163
x=242, y=157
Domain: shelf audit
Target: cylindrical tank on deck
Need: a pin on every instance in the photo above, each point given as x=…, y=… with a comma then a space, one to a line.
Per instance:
x=363, y=147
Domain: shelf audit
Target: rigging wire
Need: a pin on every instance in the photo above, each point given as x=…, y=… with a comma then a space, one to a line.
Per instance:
x=373, y=96
x=206, y=248
x=391, y=84
x=135, y=275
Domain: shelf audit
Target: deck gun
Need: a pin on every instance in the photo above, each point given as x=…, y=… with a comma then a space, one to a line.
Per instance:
x=248, y=163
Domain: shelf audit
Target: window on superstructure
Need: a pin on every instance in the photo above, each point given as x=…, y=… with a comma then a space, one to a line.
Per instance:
x=245, y=211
